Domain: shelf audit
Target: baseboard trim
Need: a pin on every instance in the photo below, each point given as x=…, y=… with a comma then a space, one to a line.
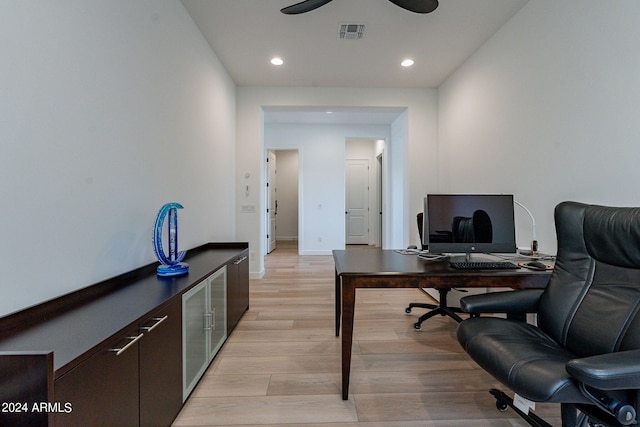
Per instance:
x=324, y=252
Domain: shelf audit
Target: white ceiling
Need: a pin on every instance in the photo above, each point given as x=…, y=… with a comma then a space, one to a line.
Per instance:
x=246, y=34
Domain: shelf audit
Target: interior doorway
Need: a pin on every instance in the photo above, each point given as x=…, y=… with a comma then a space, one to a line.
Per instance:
x=364, y=182
x=380, y=179
x=272, y=200
x=282, y=174
x=357, y=202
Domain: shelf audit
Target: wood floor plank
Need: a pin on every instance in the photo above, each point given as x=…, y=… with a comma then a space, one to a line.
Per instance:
x=214, y=385
x=278, y=364
x=428, y=406
x=281, y=365
x=281, y=348
x=269, y=410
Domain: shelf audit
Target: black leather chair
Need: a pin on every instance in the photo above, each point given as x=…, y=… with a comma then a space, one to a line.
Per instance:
x=434, y=309
x=585, y=351
x=477, y=228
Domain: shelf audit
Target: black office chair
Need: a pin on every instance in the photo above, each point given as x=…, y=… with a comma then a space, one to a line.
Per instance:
x=442, y=308
x=585, y=351
x=477, y=228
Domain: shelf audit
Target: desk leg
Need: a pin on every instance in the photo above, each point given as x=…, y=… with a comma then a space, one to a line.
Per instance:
x=348, y=305
x=338, y=290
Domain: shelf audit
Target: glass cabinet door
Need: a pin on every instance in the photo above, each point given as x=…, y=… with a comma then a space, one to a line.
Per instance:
x=204, y=327
x=195, y=320
x=218, y=313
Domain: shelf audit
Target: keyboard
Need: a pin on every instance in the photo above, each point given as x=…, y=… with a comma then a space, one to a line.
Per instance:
x=483, y=265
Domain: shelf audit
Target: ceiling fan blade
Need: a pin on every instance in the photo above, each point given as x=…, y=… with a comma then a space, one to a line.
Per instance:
x=417, y=6
x=303, y=6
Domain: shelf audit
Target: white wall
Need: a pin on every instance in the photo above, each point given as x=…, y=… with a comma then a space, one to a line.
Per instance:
x=109, y=109
x=547, y=110
x=414, y=136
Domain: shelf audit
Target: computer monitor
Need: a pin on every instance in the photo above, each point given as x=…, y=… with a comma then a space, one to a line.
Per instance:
x=469, y=223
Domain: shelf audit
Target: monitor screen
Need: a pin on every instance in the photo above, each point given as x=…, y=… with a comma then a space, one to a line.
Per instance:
x=469, y=223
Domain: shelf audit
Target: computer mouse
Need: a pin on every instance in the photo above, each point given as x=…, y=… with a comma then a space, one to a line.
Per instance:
x=537, y=264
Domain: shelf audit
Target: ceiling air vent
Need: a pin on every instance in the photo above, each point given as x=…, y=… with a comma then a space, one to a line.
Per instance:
x=350, y=31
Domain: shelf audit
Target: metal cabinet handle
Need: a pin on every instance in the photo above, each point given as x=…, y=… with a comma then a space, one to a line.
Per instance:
x=119, y=351
x=158, y=321
x=207, y=321
x=210, y=320
x=239, y=260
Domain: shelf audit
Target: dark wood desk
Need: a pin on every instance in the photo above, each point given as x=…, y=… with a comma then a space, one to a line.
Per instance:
x=389, y=269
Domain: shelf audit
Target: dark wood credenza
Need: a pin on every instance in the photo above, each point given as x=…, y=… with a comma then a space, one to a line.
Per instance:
x=112, y=353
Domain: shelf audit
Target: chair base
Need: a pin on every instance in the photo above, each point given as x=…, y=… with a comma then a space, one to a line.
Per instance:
x=441, y=309
x=572, y=415
x=503, y=402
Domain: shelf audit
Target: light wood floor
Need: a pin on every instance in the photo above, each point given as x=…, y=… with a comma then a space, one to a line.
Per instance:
x=281, y=365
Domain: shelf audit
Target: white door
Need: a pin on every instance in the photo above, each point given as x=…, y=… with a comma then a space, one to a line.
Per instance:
x=357, y=203
x=272, y=202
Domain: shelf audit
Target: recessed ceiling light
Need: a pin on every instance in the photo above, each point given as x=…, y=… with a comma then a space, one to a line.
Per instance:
x=277, y=61
x=407, y=63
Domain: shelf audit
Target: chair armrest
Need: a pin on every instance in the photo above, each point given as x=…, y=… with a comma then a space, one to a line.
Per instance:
x=611, y=371
x=509, y=302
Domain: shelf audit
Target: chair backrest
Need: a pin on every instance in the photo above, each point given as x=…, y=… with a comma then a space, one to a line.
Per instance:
x=462, y=229
x=482, y=227
x=591, y=305
x=420, y=219
x=475, y=229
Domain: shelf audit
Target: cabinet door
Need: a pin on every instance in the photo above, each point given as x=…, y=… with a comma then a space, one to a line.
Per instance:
x=103, y=390
x=217, y=327
x=161, y=367
x=195, y=321
x=26, y=379
x=237, y=291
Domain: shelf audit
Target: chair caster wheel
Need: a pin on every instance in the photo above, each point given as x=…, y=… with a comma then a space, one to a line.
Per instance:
x=417, y=326
x=591, y=423
x=502, y=407
x=407, y=310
